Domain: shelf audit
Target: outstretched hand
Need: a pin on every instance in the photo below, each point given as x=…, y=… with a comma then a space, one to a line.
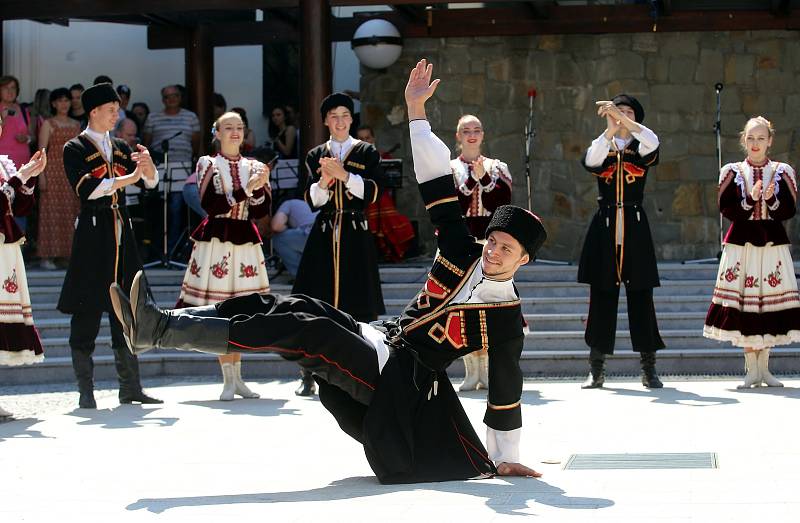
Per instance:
x=419, y=89
x=517, y=469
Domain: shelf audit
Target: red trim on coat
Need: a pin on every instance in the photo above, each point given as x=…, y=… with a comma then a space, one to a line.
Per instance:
x=307, y=355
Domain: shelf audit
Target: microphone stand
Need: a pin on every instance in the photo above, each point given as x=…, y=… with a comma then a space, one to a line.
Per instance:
x=166, y=262
x=718, y=132
x=530, y=134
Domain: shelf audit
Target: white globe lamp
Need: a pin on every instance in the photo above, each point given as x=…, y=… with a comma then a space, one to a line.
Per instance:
x=377, y=43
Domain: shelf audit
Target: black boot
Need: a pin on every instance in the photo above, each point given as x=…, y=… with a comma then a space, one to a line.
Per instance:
x=130, y=387
x=83, y=366
x=597, y=371
x=147, y=327
x=649, y=376
x=308, y=387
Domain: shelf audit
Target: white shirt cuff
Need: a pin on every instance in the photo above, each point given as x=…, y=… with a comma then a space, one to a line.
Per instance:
x=105, y=188
x=648, y=141
x=355, y=184
x=598, y=151
x=320, y=196
x=503, y=445
x=151, y=184
x=431, y=156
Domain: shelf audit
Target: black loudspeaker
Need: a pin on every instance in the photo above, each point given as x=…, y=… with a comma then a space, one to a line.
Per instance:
x=392, y=173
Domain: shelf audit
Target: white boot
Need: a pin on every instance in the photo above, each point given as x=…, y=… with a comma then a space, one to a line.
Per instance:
x=228, y=382
x=483, y=371
x=763, y=369
x=752, y=378
x=4, y=413
x=471, y=369
x=240, y=386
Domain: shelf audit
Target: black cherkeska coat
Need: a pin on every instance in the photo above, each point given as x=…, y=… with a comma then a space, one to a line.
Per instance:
x=621, y=180
x=339, y=264
x=103, y=247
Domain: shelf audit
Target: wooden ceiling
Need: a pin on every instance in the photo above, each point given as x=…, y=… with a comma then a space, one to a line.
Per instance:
x=279, y=20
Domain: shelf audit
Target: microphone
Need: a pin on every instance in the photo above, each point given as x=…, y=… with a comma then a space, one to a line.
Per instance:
x=181, y=132
x=718, y=86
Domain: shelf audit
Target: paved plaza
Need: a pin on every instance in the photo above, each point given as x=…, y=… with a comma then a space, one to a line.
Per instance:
x=282, y=458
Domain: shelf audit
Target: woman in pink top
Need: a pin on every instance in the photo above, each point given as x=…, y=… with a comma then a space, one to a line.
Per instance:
x=16, y=135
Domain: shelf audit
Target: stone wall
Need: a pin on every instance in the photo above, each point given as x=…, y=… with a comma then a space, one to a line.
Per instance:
x=672, y=74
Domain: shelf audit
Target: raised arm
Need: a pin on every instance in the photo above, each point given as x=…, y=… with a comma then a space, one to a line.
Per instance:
x=432, y=168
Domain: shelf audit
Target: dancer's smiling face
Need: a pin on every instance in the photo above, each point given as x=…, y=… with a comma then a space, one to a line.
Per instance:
x=502, y=256
x=757, y=141
x=338, y=121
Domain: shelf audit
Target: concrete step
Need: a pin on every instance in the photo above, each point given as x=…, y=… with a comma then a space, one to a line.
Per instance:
x=534, y=364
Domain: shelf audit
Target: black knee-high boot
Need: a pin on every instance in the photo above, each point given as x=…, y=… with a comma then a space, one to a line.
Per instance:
x=597, y=370
x=649, y=376
x=83, y=366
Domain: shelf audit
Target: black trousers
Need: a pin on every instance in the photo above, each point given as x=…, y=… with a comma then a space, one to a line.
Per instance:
x=601, y=326
x=320, y=338
x=84, y=328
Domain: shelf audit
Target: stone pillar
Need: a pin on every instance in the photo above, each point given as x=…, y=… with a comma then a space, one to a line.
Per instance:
x=315, y=70
x=200, y=80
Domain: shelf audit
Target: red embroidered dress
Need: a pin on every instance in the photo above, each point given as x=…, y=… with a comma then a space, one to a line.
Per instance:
x=227, y=259
x=19, y=340
x=755, y=301
x=480, y=198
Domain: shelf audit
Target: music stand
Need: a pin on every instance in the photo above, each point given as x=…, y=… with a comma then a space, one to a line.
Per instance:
x=166, y=262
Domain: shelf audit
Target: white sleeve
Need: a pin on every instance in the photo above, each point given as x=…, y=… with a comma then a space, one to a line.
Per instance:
x=431, y=156
x=151, y=184
x=320, y=196
x=355, y=184
x=598, y=151
x=104, y=189
x=648, y=141
x=503, y=445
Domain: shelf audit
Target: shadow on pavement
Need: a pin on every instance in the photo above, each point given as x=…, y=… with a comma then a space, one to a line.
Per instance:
x=20, y=428
x=122, y=417
x=786, y=392
x=509, y=495
x=529, y=397
x=250, y=407
x=673, y=396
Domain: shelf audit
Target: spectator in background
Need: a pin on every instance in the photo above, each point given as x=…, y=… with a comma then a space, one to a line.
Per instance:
x=76, y=111
x=184, y=96
x=181, y=129
x=249, y=142
x=128, y=131
x=140, y=112
x=102, y=79
x=16, y=138
x=58, y=203
x=40, y=110
x=393, y=231
x=291, y=226
x=124, y=93
x=220, y=106
x=16, y=133
x=282, y=134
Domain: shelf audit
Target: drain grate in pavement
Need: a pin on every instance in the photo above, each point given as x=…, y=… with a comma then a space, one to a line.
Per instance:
x=675, y=460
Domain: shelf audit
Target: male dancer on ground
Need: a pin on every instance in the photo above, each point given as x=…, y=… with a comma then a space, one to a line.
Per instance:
x=387, y=386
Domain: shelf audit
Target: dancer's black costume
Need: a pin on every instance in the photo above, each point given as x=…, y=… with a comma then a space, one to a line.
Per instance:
x=387, y=386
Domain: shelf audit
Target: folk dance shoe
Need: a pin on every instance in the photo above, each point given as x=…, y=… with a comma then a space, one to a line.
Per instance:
x=597, y=370
x=649, y=377
x=471, y=373
x=228, y=385
x=240, y=387
x=763, y=369
x=308, y=387
x=147, y=327
x=752, y=377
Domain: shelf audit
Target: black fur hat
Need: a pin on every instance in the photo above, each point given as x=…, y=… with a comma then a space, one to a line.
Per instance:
x=332, y=101
x=633, y=103
x=520, y=223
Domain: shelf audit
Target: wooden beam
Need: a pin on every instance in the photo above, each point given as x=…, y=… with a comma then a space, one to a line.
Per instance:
x=200, y=80
x=504, y=21
x=315, y=72
x=780, y=7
